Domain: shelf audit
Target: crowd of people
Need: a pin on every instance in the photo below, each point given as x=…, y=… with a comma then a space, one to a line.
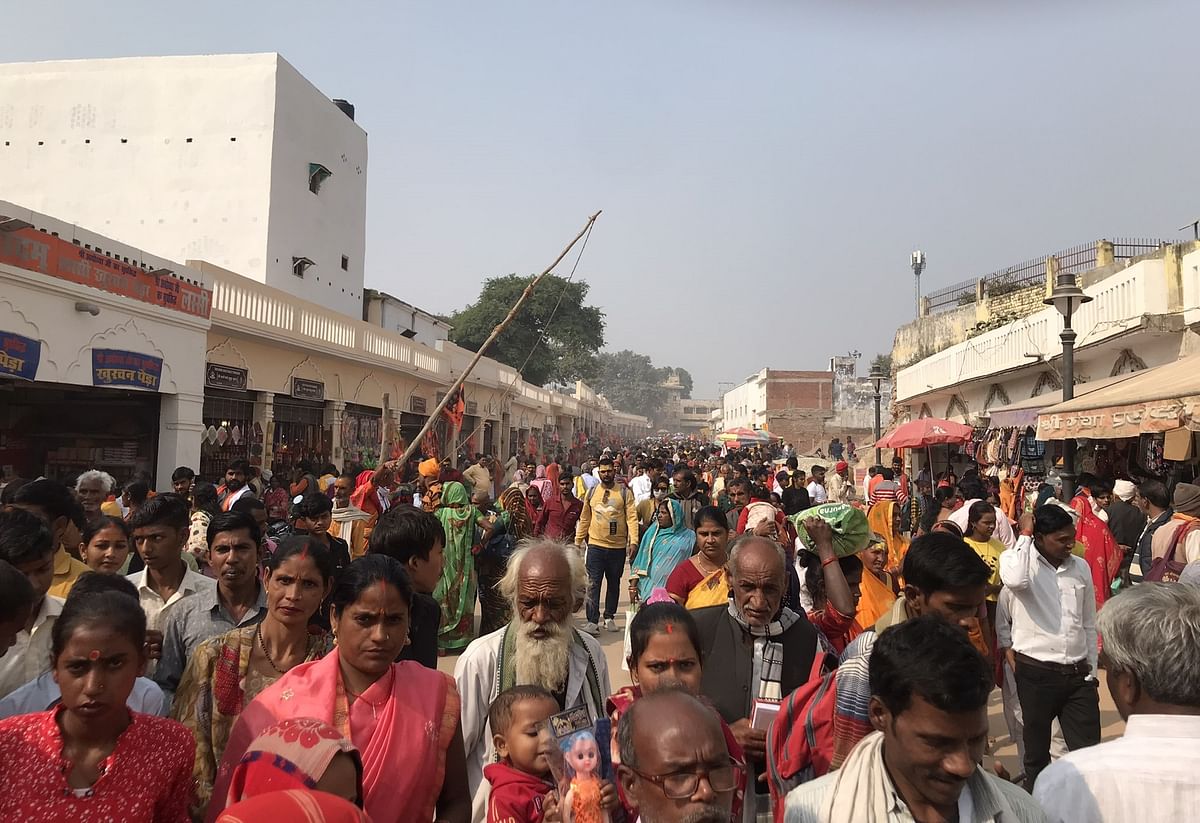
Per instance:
x=243, y=649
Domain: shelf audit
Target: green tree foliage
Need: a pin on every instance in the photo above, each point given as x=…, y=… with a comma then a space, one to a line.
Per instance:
x=883, y=361
x=573, y=331
x=631, y=382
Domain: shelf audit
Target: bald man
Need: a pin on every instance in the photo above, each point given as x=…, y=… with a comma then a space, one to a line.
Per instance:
x=671, y=733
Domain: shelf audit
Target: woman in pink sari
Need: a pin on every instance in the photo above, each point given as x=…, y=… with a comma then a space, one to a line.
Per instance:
x=1101, y=551
x=401, y=717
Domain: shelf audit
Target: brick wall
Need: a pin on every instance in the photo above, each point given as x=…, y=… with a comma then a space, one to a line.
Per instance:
x=799, y=390
x=1020, y=303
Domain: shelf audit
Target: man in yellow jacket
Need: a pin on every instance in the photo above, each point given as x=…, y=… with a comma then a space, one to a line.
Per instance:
x=608, y=527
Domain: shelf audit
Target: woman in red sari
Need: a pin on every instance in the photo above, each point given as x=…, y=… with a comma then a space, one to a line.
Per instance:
x=1101, y=552
x=393, y=713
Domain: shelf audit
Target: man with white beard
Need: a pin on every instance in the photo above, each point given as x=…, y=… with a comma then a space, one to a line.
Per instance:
x=545, y=583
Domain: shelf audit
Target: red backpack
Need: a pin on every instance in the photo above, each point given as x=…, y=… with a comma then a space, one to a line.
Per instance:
x=800, y=739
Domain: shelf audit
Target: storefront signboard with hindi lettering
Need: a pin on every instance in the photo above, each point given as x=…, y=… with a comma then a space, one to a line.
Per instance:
x=307, y=389
x=19, y=355
x=417, y=405
x=220, y=376
x=113, y=367
x=1119, y=421
x=37, y=251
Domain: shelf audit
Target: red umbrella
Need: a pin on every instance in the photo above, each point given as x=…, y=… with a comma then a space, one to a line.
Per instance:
x=927, y=431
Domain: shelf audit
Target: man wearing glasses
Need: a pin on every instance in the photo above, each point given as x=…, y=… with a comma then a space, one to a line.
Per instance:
x=675, y=766
x=608, y=527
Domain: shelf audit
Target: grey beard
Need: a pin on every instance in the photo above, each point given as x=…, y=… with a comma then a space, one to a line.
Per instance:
x=543, y=662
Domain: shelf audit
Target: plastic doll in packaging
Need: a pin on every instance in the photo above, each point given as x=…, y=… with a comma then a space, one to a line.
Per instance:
x=582, y=801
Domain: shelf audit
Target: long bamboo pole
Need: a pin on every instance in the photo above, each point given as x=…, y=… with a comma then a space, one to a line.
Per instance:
x=416, y=443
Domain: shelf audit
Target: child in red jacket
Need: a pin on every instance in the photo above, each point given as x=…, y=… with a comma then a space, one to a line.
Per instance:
x=521, y=781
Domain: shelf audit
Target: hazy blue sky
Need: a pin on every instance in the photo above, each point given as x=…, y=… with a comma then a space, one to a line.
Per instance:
x=765, y=168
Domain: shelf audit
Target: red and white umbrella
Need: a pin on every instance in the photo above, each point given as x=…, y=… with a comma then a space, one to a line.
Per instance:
x=926, y=431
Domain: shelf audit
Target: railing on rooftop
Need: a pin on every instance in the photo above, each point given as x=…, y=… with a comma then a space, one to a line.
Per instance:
x=1074, y=260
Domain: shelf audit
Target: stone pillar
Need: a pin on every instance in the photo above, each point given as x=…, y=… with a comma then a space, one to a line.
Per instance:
x=335, y=410
x=264, y=416
x=1173, y=272
x=180, y=430
x=391, y=433
x=1104, y=253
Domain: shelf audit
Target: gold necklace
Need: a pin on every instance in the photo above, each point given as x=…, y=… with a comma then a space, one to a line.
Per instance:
x=704, y=568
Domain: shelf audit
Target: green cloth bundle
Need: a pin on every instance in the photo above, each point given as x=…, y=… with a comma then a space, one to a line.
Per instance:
x=850, y=530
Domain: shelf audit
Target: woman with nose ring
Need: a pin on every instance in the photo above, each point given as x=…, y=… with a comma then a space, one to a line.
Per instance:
x=392, y=712
x=228, y=671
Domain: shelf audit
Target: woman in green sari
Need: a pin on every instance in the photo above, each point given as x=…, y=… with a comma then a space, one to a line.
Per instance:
x=455, y=591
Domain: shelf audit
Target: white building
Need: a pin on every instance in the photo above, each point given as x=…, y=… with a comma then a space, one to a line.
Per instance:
x=988, y=354
x=101, y=353
x=233, y=159
x=392, y=313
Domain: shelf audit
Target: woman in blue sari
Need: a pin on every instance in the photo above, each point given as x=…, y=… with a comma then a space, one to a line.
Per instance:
x=664, y=546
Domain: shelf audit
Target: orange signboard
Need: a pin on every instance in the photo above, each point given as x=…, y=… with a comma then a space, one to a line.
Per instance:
x=36, y=251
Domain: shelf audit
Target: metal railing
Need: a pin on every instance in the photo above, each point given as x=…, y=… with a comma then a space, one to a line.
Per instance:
x=1075, y=260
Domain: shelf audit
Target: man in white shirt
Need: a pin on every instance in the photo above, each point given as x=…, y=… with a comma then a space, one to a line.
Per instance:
x=816, y=486
x=642, y=486
x=26, y=544
x=1053, y=651
x=929, y=709
x=160, y=532
x=1152, y=656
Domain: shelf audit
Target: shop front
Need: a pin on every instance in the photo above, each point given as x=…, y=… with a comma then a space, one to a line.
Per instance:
x=362, y=437
x=61, y=431
x=230, y=430
x=97, y=355
x=1142, y=425
x=299, y=428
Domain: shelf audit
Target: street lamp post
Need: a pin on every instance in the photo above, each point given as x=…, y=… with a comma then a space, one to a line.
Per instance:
x=1067, y=297
x=917, y=261
x=877, y=377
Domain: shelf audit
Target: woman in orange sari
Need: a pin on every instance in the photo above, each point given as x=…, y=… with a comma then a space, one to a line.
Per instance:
x=877, y=596
x=393, y=713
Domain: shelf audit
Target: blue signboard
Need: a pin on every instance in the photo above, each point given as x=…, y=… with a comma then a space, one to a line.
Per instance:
x=113, y=367
x=19, y=355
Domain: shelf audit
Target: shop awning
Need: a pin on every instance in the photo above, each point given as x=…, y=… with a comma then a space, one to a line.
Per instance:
x=1024, y=413
x=1154, y=400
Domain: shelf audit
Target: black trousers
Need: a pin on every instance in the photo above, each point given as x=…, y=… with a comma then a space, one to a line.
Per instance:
x=1045, y=695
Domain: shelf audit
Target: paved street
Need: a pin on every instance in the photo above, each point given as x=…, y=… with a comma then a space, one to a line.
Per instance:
x=1111, y=725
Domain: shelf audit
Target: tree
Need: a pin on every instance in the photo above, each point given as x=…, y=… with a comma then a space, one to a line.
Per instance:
x=554, y=337
x=884, y=362
x=631, y=382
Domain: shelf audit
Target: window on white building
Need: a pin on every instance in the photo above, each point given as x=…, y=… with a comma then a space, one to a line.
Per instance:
x=317, y=174
x=345, y=263
x=301, y=265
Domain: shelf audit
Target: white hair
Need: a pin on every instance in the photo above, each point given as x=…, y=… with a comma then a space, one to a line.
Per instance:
x=745, y=540
x=106, y=479
x=1153, y=632
x=509, y=583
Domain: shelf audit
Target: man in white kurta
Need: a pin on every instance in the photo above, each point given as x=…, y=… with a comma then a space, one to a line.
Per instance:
x=546, y=583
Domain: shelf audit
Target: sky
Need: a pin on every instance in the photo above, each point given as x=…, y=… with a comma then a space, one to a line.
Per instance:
x=764, y=167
